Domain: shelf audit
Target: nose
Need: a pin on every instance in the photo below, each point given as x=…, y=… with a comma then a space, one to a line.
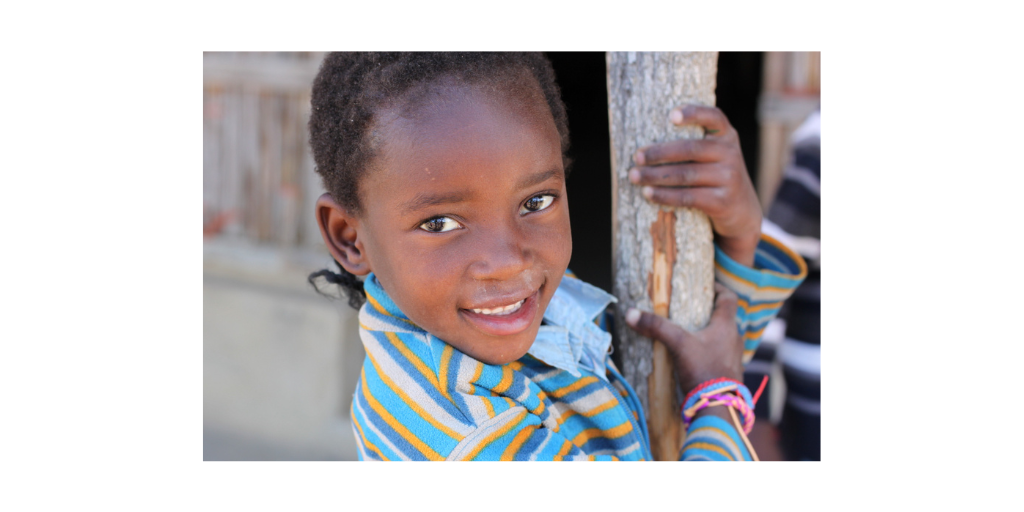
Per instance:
x=503, y=253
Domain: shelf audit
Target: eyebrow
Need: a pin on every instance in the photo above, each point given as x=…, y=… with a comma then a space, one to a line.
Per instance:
x=424, y=200
x=538, y=178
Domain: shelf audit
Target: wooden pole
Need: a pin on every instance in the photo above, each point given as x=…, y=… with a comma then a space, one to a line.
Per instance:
x=663, y=258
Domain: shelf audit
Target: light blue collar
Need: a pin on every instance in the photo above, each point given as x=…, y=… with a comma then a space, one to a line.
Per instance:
x=571, y=340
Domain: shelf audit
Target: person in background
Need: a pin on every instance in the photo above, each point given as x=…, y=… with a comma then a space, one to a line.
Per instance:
x=794, y=338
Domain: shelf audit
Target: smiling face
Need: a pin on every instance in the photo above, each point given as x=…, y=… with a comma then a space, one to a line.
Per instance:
x=464, y=218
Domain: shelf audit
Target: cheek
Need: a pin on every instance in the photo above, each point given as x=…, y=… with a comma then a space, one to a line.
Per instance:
x=558, y=239
x=414, y=275
x=427, y=274
x=567, y=239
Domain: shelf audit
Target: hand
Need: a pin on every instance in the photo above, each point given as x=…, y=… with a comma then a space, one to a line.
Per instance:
x=707, y=174
x=716, y=351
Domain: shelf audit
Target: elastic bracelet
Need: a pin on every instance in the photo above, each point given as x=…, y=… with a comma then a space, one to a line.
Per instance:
x=703, y=387
x=716, y=398
x=717, y=384
x=730, y=393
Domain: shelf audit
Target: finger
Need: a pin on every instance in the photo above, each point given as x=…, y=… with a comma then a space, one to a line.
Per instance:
x=654, y=326
x=710, y=200
x=711, y=118
x=681, y=150
x=681, y=175
x=726, y=303
x=724, y=333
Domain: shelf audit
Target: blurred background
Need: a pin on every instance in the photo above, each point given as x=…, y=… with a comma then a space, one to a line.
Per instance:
x=280, y=362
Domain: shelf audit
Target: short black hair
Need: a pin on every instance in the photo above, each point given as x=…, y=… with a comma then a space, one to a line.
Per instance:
x=351, y=89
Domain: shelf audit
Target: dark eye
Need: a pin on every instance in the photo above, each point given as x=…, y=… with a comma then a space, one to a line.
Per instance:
x=536, y=203
x=440, y=225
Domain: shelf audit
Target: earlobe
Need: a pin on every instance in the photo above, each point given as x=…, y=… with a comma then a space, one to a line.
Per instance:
x=340, y=231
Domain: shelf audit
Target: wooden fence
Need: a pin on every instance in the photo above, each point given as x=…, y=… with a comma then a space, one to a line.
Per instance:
x=258, y=179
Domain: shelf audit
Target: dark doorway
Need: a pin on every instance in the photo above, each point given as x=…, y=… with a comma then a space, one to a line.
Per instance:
x=737, y=94
x=581, y=77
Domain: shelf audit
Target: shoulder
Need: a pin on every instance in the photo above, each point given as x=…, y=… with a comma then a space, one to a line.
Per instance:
x=411, y=405
x=404, y=404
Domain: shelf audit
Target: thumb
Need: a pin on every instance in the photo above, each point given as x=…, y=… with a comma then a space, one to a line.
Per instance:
x=726, y=303
x=654, y=326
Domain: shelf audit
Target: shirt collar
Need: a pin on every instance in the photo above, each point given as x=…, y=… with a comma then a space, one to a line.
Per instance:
x=570, y=340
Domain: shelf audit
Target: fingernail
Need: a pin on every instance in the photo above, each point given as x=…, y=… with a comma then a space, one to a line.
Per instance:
x=634, y=175
x=647, y=192
x=638, y=157
x=632, y=316
x=676, y=116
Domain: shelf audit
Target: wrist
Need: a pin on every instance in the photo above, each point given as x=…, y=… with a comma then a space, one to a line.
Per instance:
x=740, y=249
x=689, y=385
x=729, y=396
x=720, y=411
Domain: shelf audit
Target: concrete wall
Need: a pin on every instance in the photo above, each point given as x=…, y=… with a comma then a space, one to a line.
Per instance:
x=280, y=362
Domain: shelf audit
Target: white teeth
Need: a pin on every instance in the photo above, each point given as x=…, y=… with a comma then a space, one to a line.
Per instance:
x=504, y=310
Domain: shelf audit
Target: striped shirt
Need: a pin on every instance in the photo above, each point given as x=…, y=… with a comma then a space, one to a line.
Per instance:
x=419, y=398
x=762, y=290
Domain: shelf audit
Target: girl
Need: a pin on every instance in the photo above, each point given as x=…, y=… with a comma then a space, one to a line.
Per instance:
x=446, y=176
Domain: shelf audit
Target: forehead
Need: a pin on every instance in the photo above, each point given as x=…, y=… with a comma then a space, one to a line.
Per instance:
x=462, y=133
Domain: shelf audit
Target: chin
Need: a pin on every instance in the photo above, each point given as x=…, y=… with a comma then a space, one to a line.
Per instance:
x=505, y=358
x=504, y=351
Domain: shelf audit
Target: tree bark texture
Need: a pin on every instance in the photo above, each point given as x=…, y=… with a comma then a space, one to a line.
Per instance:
x=663, y=258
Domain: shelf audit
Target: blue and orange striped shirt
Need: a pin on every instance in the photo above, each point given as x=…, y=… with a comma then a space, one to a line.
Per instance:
x=419, y=398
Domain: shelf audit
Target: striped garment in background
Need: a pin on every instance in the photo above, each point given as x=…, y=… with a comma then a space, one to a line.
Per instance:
x=795, y=217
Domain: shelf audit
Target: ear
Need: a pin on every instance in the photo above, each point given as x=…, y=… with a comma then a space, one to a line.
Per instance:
x=340, y=230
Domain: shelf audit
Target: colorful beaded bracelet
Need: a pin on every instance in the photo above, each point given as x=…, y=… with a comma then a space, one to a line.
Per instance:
x=721, y=397
x=723, y=391
x=730, y=393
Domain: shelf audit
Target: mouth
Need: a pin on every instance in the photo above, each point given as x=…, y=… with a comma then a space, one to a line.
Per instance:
x=504, y=320
x=501, y=310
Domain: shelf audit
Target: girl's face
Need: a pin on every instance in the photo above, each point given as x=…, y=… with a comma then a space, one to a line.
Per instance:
x=465, y=220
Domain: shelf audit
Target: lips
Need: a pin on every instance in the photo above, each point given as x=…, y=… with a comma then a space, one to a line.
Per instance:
x=504, y=319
